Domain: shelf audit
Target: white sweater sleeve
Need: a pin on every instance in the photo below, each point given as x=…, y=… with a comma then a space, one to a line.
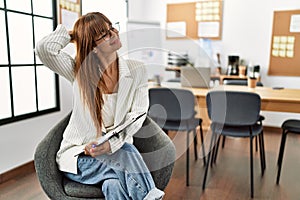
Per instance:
x=49, y=50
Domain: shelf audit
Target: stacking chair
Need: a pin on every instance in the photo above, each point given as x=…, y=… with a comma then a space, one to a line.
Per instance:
x=243, y=83
x=174, y=110
x=288, y=126
x=235, y=114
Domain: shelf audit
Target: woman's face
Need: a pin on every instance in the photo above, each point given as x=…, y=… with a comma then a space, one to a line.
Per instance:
x=109, y=42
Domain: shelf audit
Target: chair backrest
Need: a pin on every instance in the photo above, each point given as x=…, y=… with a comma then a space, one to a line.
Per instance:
x=240, y=82
x=233, y=108
x=171, y=104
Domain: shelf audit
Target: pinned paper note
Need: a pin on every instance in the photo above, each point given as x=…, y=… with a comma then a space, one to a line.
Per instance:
x=176, y=29
x=295, y=24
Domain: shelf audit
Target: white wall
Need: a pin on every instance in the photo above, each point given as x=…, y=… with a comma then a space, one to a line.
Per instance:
x=247, y=29
x=19, y=140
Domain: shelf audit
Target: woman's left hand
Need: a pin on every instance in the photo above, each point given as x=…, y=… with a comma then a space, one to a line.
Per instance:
x=93, y=150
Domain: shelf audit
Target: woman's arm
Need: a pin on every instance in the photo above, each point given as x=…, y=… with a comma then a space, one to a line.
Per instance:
x=49, y=50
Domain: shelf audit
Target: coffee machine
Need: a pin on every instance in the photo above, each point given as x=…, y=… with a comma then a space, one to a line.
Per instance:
x=233, y=65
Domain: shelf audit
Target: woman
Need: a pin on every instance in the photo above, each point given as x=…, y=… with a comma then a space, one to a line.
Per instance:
x=107, y=91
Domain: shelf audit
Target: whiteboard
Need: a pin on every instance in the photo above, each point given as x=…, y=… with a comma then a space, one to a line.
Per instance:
x=144, y=43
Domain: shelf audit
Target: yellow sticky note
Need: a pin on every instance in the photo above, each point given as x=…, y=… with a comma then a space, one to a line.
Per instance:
x=198, y=18
x=198, y=5
x=216, y=4
x=275, y=53
x=282, y=46
x=290, y=54
x=216, y=11
x=291, y=39
x=216, y=17
x=282, y=53
x=290, y=47
x=275, y=45
x=276, y=39
x=283, y=39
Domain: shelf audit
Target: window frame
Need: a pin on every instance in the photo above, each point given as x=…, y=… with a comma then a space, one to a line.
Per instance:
x=35, y=64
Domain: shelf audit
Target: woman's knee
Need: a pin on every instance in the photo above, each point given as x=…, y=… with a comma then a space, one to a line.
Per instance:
x=113, y=189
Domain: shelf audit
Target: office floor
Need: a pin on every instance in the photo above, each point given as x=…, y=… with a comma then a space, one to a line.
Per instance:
x=227, y=180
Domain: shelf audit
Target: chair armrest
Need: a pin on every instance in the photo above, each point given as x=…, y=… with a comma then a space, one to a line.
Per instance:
x=157, y=150
x=45, y=161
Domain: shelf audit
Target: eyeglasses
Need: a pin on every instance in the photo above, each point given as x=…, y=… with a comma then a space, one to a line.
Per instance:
x=107, y=35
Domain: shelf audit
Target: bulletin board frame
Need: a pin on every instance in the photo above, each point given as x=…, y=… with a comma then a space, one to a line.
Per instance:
x=281, y=65
x=69, y=12
x=186, y=12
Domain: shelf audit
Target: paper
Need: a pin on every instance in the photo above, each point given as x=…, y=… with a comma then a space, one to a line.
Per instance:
x=208, y=29
x=118, y=129
x=176, y=29
x=68, y=18
x=295, y=24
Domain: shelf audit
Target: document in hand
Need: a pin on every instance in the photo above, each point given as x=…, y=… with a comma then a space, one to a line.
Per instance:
x=118, y=129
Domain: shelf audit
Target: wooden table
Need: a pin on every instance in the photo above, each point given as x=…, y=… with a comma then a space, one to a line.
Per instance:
x=221, y=77
x=282, y=100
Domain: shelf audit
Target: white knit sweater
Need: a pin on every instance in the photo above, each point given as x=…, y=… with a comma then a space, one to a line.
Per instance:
x=132, y=99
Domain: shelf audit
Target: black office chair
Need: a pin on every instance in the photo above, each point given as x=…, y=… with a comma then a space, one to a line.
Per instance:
x=288, y=126
x=235, y=114
x=243, y=83
x=174, y=110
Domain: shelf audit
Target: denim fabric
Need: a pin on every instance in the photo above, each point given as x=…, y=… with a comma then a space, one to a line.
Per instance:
x=123, y=175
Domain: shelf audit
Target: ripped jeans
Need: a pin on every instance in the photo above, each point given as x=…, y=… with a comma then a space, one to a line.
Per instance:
x=123, y=174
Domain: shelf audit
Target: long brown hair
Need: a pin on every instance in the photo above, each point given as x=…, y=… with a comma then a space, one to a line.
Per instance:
x=88, y=69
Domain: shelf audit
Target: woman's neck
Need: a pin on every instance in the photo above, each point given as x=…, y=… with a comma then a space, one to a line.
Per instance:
x=107, y=60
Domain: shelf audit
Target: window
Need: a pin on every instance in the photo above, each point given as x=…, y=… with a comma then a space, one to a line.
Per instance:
x=27, y=88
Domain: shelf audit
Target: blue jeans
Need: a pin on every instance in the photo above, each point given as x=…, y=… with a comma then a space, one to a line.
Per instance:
x=124, y=175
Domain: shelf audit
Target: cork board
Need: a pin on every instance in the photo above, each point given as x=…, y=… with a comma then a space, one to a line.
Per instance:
x=285, y=48
x=186, y=12
x=69, y=12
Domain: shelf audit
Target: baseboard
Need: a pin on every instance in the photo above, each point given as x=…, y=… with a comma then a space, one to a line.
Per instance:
x=20, y=171
x=266, y=129
x=272, y=129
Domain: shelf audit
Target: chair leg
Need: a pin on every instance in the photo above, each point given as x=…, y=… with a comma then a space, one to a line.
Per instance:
x=217, y=149
x=202, y=145
x=256, y=146
x=208, y=160
x=195, y=144
x=282, y=144
x=223, y=141
x=187, y=158
x=280, y=156
x=251, y=166
x=214, y=149
x=261, y=149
